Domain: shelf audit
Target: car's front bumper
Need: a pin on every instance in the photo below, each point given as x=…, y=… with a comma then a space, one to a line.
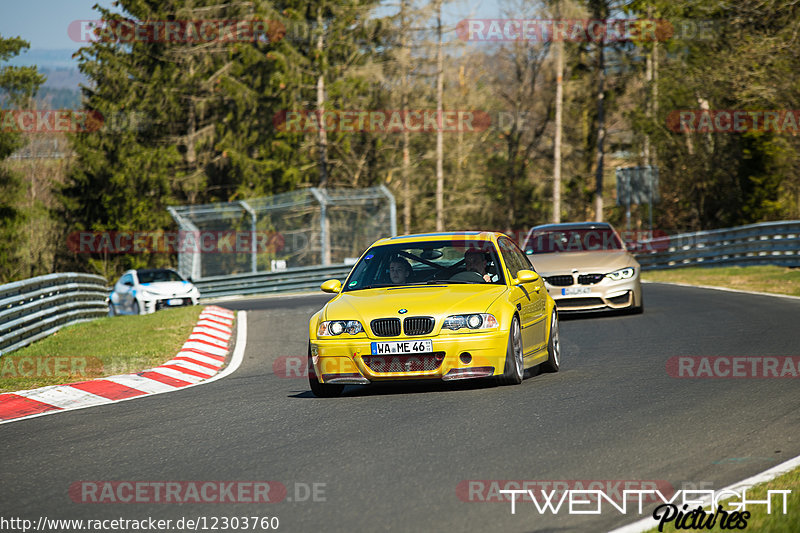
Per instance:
x=151, y=304
x=605, y=295
x=350, y=360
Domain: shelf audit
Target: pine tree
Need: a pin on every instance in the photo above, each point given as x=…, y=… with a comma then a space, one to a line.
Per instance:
x=20, y=84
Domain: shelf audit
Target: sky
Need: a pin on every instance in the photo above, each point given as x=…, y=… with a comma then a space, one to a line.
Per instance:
x=44, y=23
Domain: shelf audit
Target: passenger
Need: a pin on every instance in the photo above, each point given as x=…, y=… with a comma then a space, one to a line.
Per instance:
x=399, y=270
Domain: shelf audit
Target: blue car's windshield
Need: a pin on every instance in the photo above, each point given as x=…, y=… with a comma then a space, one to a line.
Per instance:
x=429, y=263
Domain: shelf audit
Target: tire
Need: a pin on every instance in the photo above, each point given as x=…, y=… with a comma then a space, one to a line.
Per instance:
x=321, y=390
x=640, y=309
x=111, y=310
x=553, y=362
x=136, y=310
x=514, y=366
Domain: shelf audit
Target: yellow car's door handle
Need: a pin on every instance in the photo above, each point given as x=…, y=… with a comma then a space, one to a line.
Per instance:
x=537, y=288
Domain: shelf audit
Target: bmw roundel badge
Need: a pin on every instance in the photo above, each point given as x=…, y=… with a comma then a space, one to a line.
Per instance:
x=403, y=311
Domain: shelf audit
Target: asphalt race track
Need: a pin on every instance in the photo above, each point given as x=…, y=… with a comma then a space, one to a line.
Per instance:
x=394, y=458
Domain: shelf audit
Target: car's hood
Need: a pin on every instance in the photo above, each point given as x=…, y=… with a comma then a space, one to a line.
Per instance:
x=585, y=262
x=428, y=300
x=168, y=288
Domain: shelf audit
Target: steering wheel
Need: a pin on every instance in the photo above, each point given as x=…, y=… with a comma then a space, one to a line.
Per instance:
x=468, y=275
x=446, y=272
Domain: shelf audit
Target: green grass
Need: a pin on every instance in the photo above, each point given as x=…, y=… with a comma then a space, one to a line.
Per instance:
x=759, y=520
x=774, y=279
x=102, y=347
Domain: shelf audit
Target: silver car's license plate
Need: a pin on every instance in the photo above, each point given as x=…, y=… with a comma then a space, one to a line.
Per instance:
x=572, y=291
x=402, y=347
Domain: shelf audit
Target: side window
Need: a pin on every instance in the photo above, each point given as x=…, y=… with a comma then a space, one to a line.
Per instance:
x=523, y=260
x=510, y=258
x=127, y=279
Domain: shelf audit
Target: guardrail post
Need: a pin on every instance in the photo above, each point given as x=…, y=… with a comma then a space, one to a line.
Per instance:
x=253, y=248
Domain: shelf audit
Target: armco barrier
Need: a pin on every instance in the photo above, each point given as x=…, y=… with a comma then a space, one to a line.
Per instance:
x=34, y=308
x=290, y=280
x=766, y=243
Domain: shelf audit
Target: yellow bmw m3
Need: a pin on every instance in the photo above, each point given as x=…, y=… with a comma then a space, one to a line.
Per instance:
x=437, y=306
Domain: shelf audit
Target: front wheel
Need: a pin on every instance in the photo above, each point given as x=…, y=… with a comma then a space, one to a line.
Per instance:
x=553, y=362
x=321, y=390
x=640, y=308
x=514, y=366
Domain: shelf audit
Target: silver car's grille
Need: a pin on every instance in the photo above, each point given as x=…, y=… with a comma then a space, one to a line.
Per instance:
x=590, y=279
x=418, y=325
x=560, y=281
x=385, y=327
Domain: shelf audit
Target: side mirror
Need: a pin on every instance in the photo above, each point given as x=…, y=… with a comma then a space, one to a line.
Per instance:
x=332, y=285
x=527, y=276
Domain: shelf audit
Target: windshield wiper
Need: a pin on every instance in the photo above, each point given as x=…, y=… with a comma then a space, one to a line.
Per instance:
x=436, y=281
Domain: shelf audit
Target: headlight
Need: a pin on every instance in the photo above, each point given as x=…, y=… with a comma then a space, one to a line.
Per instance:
x=624, y=273
x=331, y=328
x=471, y=321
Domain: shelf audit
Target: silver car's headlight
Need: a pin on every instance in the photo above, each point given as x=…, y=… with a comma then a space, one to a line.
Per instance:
x=624, y=273
x=471, y=321
x=331, y=328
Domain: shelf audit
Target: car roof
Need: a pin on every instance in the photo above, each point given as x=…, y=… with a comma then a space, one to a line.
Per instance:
x=490, y=236
x=573, y=225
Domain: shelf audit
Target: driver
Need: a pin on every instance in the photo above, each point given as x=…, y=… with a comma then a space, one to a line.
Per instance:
x=475, y=261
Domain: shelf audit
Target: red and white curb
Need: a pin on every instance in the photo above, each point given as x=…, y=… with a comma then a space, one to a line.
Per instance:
x=199, y=361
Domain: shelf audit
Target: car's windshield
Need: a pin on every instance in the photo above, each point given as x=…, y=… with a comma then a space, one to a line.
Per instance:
x=572, y=240
x=150, y=276
x=429, y=263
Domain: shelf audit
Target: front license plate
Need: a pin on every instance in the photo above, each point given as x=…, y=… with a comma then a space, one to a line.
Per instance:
x=572, y=291
x=175, y=301
x=402, y=347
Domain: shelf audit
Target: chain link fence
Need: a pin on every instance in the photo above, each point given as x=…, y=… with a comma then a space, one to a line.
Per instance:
x=307, y=227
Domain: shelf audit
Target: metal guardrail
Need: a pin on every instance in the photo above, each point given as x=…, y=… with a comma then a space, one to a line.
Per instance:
x=766, y=243
x=290, y=280
x=773, y=243
x=35, y=308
